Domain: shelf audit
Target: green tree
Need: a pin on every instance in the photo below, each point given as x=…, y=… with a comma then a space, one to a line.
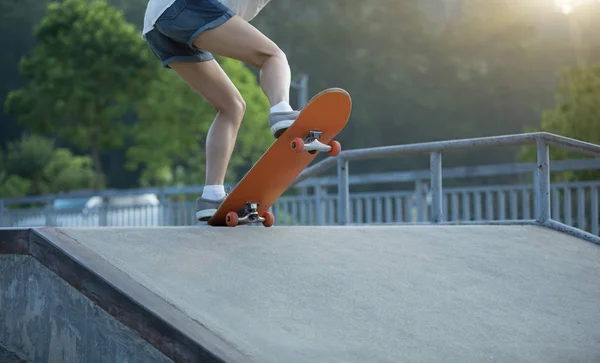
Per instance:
x=17, y=19
x=574, y=115
x=28, y=157
x=84, y=75
x=478, y=68
x=11, y=186
x=33, y=166
x=577, y=105
x=170, y=135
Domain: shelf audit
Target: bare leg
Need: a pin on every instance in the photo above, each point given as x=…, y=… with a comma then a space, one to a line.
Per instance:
x=235, y=39
x=239, y=40
x=211, y=82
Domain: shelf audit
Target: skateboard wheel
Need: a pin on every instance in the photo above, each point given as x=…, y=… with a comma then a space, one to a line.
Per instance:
x=336, y=148
x=269, y=219
x=297, y=144
x=232, y=219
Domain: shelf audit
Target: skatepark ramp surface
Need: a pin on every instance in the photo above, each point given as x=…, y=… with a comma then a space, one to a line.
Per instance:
x=519, y=293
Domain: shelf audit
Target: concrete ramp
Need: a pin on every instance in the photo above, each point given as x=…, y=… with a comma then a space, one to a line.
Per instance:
x=312, y=294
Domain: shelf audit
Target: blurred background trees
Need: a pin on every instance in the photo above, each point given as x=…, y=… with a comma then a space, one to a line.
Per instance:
x=78, y=75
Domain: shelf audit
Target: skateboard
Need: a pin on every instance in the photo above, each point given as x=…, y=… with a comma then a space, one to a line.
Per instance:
x=323, y=118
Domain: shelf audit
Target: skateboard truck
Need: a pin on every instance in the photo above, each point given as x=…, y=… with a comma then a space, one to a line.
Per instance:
x=249, y=214
x=312, y=144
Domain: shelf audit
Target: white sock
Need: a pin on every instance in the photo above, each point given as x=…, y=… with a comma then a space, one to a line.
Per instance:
x=282, y=107
x=213, y=192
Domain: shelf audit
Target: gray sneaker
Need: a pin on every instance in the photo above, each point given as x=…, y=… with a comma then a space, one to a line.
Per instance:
x=205, y=208
x=281, y=121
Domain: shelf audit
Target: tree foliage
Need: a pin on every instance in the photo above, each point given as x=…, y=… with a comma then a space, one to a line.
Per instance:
x=416, y=70
x=34, y=165
x=170, y=134
x=575, y=115
x=577, y=105
x=87, y=69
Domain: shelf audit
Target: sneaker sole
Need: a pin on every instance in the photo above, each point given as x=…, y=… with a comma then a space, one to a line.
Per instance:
x=280, y=127
x=205, y=215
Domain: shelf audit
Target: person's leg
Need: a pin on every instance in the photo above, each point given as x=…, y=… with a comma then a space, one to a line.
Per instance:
x=187, y=32
x=239, y=40
x=208, y=26
x=204, y=75
x=210, y=81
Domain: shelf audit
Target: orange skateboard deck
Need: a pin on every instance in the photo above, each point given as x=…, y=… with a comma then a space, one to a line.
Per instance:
x=322, y=119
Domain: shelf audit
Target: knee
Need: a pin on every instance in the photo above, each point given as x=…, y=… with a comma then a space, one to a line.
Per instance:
x=278, y=53
x=239, y=107
x=235, y=108
x=261, y=57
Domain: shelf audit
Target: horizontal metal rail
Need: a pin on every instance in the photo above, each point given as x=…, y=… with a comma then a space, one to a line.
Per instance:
x=571, y=144
x=449, y=145
x=438, y=146
x=542, y=187
x=454, y=172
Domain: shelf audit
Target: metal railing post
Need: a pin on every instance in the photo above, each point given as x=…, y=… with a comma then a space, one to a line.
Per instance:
x=103, y=216
x=303, y=205
x=164, y=208
x=536, y=179
x=542, y=185
x=319, y=205
x=343, y=191
x=435, y=167
x=49, y=214
x=594, y=212
x=420, y=200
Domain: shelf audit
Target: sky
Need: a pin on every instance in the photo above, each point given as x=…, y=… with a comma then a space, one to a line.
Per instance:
x=567, y=6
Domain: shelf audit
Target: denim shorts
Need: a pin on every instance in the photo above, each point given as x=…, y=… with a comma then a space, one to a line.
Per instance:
x=175, y=30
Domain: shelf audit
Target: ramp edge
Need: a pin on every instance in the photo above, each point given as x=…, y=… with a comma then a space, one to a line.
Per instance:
x=159, y=323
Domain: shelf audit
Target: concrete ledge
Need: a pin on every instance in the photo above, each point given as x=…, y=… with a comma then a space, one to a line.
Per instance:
x=108, y=290
x=8, y=357
x=46, y=320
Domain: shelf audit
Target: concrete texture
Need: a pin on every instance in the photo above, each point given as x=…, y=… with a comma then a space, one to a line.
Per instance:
x=8, y=357
x=372, y=294
x=44, y=319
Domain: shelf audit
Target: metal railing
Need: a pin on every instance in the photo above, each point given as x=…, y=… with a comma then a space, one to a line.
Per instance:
x=541, y=188
x=574, y=205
